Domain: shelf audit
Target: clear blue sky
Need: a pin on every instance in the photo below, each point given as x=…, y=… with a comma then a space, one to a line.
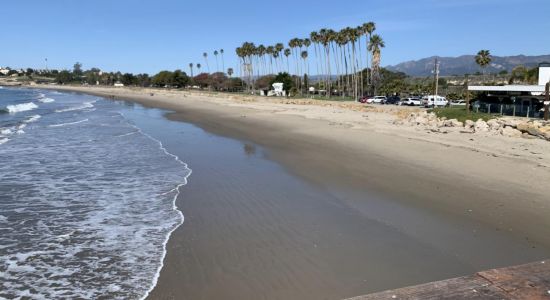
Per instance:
x=149, y=36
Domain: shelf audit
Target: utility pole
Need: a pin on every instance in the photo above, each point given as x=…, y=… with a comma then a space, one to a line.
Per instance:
x=436, y=78
x=547, y=101
x=467, y=96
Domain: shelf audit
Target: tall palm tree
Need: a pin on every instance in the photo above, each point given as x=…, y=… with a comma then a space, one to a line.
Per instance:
x=304, y=56
x=483, y=59
x=369, y=28
x=230, y=72
x=191, y=68
x=279, y=47
x=287, y=53
x=205, y=55
x=269, y=51
x=375, y=45
x=199, y=68
x=216, y=55
x=223, y=62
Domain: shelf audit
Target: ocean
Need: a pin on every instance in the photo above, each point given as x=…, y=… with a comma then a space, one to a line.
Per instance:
x=87, y=198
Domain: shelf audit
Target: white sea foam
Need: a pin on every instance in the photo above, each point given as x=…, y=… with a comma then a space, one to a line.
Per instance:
x=46, y=100
x=69, y=123
x=32, y=119
x=97, y=223
x=82, y=106
x=21, y=107
x=176, y=191
x=3, y=140
x=6, y=131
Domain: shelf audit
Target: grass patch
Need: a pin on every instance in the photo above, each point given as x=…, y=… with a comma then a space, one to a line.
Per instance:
x=461, y=114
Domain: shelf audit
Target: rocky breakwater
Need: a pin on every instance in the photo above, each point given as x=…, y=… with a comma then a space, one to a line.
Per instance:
x=506, y=126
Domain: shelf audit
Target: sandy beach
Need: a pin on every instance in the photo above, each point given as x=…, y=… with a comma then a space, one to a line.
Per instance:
x=370, y=205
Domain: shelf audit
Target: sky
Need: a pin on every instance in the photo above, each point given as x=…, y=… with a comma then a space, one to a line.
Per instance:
x=149, y=36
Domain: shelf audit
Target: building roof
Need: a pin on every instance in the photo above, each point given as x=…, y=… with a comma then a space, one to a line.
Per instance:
x=508, y=88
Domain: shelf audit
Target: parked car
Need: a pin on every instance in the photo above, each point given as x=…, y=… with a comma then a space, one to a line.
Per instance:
x=434, y=101
x=458, y=103
x=392, y=100
x=364, y=99
x=412, y=101
x=376, y=99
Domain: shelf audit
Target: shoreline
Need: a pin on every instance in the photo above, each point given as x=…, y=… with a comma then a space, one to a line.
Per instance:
x=465, y=183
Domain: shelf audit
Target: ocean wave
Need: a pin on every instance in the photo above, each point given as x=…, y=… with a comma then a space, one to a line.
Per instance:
x=69, y=123
x=110, y=218
x=84, y=105
x=6, y=131
x=21, y=107
x=46, y=100
x=3, y=140
x=32, y=119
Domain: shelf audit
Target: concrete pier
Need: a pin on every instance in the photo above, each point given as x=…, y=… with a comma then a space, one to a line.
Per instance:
x=529, y=281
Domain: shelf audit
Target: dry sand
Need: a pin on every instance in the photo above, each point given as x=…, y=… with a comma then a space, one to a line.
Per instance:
x=479, y=183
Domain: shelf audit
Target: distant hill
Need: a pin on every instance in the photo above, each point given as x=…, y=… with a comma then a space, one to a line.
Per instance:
x=465, y=64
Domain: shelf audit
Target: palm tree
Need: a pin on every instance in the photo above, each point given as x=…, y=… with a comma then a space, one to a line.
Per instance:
x=304, y=55
x=199, y=67
x=369, y=28
x=230, y=72
x=375, y=45
x=269, y=51
x=279, y=47
x=216, y=55
x=223, y=62
x=287, y=53
x=191, y=68
x=483, y=59
x=205, y=55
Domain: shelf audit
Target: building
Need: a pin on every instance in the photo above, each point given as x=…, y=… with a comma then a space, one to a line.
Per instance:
x=517, y=100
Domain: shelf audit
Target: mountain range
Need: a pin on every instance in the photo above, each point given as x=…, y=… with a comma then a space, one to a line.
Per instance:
x=465, y=64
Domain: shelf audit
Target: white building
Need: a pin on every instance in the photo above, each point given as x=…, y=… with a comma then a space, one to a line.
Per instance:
x=526, y=100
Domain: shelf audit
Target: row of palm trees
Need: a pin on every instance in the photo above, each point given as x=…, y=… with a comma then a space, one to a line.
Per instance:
x=205, y=56
x=337, y=53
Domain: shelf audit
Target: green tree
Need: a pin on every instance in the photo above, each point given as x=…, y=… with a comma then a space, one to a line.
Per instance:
x=285, y=79
x=77, y=69
x=64, y=77
x=179, y=79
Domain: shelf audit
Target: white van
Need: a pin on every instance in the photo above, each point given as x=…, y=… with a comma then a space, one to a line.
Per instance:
x=433, y=101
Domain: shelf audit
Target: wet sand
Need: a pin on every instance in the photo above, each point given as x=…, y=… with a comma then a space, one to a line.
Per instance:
x=284, y=207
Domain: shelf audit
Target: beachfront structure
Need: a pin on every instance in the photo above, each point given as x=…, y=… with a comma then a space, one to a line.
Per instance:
x=517, y=100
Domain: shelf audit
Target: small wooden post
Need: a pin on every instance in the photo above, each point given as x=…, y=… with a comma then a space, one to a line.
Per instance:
x=547, y=101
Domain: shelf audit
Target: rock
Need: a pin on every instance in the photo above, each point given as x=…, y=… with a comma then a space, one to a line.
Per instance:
x=511, y=122
x=493, y=124
x=481, y=126
x=527, y=136
x=420, y=120
x=510, y=132
x=530, y=129
x=469, y=124
x=456, y=123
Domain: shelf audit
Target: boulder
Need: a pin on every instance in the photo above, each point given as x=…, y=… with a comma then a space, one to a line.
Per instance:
x=469, y=124
x=510, y=131
x=481, y=126
x=456, y=123
x=493, y=124
x=511, y=122
x=530, y=128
